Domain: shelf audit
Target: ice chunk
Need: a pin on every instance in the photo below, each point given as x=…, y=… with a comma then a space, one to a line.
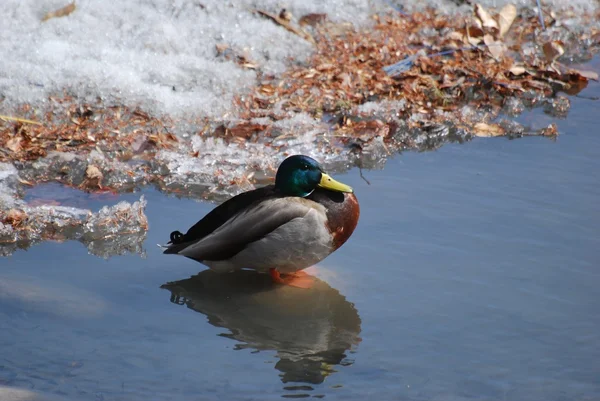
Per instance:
x=113, y=230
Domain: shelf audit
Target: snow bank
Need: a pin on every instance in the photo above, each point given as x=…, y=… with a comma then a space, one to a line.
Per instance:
x=161, y=54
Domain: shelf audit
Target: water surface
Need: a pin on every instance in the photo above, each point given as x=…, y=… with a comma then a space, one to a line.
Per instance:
x=473, y=274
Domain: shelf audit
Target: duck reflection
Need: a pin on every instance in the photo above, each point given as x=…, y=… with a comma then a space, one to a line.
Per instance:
x=311, y=329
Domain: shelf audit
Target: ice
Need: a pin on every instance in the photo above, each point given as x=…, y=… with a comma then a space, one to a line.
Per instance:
x=216, y=167
x=20, y=394
x=71, y=168
x=384, y=107
x=113, y=230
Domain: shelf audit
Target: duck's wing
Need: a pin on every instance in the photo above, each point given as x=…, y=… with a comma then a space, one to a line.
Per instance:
x=248, y=225
x=218, y=216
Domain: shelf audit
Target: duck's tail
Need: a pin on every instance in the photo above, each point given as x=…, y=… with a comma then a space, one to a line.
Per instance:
x=176, y=243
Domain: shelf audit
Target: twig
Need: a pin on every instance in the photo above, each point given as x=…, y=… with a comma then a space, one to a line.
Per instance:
x=595, y=98
x=362, y=176
x=406, y=63
x=541, y=16
x=61, y=12
x=21, y=120
x=397, y=8
x=284, y=23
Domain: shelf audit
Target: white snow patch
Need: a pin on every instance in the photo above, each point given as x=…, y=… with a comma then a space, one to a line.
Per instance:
x=158, y=54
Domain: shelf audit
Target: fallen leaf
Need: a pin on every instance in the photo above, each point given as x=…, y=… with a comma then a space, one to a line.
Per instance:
x=473, y=35
x=246, y=130
x=25, y=182
x=593, y=75
x=15, y=217
x=507, y=15
x=325, y=67
x=221, y=47
x=345, y=79
x=496, y=48
x=537, y=84
x=61, y=12
x=517, y=69
x=447, y=82
x=312, y=19
x=485, y=130
x=93, y=172
x=454, y=35
x=14, y=144
x=552, y=50
x=486, y=19
x=93, y=177
x=550, y=130
x=575, y=86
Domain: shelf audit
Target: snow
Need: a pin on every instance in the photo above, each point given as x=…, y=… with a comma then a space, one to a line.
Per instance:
x=160, y=54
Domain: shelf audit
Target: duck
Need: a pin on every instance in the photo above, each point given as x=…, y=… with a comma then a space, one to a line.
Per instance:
x=279, y=229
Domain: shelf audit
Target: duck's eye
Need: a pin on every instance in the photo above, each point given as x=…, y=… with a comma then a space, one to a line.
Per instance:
x=304, y=167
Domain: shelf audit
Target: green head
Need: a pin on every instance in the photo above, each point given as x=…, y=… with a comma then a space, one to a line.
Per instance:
x=300, y=175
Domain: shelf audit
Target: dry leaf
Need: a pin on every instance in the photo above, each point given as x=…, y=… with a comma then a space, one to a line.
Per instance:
x=325, y=67
x=93, y=172
x=221, y=47
x=454, y=35
x=506, y=17
x=496, y=48
x=575, y=86
x=486, y=19
x=537, y=84
x=487, y=130
x=25, y=182
x=15, y=217
x=14, y=144
x=517, y=69
x=473, y=41
x=473, y=35
x=246, y=130
x=550, y=130
x=475, y=32
x=553, y=50
x=312, y=19
x=587, y=74
x=93, y=176
x=61, y=12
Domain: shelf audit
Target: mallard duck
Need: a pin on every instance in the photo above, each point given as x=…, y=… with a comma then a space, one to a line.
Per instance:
x=278, y=229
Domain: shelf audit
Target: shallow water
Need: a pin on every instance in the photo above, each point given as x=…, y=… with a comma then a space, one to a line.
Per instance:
x=473, y=274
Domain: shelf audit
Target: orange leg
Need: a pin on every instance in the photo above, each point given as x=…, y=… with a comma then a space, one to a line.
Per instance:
x=299, y=279
x=275, y=276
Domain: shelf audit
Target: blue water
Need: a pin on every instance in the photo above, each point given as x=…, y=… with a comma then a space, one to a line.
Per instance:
x=473, y=274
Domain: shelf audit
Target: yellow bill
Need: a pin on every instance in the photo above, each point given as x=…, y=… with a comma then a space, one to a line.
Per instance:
x=329, y=183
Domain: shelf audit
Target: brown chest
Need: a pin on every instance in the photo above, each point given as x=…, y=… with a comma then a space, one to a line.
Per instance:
x=342, y=218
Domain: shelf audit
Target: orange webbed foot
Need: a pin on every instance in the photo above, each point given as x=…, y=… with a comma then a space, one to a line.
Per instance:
x=298, y=279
